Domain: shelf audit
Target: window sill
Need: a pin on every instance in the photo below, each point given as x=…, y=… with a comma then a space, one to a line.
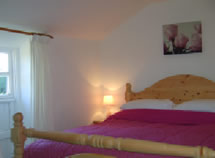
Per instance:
x=6, y=100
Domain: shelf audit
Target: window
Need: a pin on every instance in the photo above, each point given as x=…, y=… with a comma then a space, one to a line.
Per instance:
x=5, y=74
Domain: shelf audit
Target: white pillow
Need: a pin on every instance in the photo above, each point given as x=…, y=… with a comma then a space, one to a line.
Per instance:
x=204, y=105
x=148, y=104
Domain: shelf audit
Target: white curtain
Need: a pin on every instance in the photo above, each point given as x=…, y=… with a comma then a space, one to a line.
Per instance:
x=41, y=88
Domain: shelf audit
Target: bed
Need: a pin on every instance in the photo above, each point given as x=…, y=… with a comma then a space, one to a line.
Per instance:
x=134, y=133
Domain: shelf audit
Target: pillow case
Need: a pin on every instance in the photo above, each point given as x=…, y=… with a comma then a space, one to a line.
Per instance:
x=202, y=105
x=148, y=104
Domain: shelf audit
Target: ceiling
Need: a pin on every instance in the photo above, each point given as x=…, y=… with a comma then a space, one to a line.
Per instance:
x=84, y=19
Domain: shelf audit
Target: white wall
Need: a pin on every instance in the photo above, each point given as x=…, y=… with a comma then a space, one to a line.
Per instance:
x=134, y=51
x=75, y=88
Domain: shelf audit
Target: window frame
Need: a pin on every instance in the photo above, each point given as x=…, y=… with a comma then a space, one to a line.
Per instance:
x=10, y=94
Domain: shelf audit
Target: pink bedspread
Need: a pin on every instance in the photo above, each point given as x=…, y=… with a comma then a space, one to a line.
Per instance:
x=176, y=127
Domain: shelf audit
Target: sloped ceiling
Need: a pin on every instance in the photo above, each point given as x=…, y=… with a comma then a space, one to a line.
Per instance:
x=85, y=19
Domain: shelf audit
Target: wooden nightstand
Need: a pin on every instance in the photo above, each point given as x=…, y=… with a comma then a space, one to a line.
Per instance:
x=96, y=122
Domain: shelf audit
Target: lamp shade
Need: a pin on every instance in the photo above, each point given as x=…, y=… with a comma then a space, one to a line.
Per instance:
x=108, y=99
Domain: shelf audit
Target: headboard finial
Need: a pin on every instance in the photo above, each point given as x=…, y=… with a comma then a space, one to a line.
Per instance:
x=128, y=87
x=128, y=92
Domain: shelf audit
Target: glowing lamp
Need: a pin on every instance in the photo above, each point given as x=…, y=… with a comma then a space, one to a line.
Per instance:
x=108, y=100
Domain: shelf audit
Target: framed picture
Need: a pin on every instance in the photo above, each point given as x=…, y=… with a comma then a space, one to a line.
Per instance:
x=182, y=38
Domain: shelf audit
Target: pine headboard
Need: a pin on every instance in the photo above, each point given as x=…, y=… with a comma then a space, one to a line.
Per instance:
x=177, y=88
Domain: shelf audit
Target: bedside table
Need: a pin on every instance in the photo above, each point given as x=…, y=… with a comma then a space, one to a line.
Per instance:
x=96, y=122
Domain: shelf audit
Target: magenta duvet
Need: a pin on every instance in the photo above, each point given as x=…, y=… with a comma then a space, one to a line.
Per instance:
x=169, y=126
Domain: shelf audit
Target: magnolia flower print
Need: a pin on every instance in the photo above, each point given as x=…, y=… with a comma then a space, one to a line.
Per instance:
x=177, y=40
x=181, y=41
x=171, y=32
x=196, y=42
x=198, y=28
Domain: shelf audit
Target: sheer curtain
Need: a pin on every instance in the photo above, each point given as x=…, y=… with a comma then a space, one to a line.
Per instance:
x=40, y=78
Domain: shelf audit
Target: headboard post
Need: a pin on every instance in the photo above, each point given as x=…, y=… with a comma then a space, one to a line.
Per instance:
x=128, y=92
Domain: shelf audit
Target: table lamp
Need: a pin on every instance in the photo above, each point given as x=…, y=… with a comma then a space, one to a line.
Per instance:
x=108, y=101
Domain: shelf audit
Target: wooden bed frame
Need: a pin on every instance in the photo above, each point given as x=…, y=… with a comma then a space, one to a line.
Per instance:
x=178, y=88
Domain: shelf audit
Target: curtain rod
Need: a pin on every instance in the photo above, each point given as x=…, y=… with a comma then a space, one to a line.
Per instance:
x=25, y=33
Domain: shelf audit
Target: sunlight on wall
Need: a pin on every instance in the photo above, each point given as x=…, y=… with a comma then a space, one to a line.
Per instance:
x=93, y=77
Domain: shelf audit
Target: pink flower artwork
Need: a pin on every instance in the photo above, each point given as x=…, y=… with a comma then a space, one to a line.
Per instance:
x=198, y=28
x=171, y=31
x=196, y=42
x=182, y=38
x=181, y=41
